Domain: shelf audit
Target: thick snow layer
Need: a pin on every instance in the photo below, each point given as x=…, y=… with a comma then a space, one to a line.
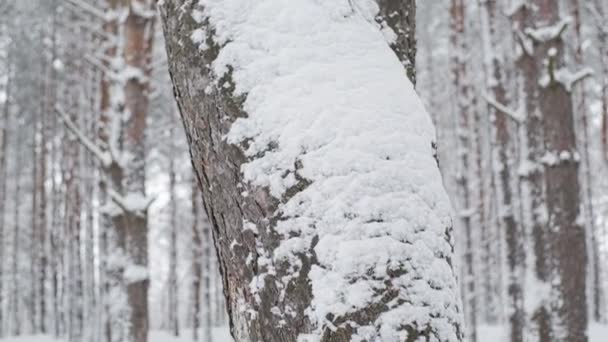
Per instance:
x=328, y=101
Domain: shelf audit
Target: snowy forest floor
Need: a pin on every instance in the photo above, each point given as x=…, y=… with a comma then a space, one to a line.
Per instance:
x=597, y=333
x=221, y=334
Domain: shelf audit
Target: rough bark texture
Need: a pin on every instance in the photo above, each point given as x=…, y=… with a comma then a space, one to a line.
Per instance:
x=400, y=16
x=207, y=118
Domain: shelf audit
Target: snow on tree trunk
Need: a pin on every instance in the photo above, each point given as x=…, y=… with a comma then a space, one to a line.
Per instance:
x=125, y=94
x=463, y=112
x=503, y=150
x=556, y=302
x=600, y=10
x=400, y=17
x=172, y=294
x=197, y=259
x=4, y=133
x=583, y=140
x=316, y=161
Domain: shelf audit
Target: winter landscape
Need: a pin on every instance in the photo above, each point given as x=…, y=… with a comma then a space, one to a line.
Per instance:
x=303, y=171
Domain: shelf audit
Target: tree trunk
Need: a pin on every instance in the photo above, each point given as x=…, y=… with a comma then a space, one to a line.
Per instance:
x=560, y=310
x=464, y=109
x=4, y=131
x=173, y=312
x=197, y=259
x=504, y=152
x=579, y=97
x=400, y=16
x=269, y=285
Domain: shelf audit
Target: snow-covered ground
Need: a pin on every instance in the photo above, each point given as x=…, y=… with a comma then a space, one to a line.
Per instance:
x=219, y=335
x=597, y=333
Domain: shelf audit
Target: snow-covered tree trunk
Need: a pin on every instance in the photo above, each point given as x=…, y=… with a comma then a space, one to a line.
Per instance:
x=503, y=151
x=559, y=304
x=463, y=116
x=400, y=17
x=71, y=176
x=124, y=98
x=15, y=305
x=197, y=258
x=4, y=132
x=172, y=294
x=329, y=216
x=599, y=9
x=203, y=269
x=128, y=100
x=581, y=115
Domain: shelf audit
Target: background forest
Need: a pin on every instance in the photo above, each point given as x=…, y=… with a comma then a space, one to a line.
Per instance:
x=102, y=220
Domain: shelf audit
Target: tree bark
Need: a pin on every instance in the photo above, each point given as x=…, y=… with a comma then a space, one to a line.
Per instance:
x=400, y=16
x=231, y=203
x=559, y=240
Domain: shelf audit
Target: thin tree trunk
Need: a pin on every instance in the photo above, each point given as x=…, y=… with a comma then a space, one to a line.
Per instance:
x=197, y=259
x=463, y=111
x=582, y=125
x=504, y=151
x=173, y=307
x=4, y=131
x=16, y=293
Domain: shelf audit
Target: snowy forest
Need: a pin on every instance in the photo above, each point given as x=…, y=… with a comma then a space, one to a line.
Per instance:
x=303, y=170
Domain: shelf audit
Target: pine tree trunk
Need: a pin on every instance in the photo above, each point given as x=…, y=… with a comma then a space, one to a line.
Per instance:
x=235, y=207
x=582, y=125
x=559, y=240
x=400, y=16
x=4, y=139
x=464, y=109
x=16, y=293
x=173, y=312
x=502, y=132
x=197, y=259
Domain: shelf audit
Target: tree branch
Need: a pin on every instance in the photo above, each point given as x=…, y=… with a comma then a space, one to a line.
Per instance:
x=87, y=8
x=104, y=157
x=516, y=117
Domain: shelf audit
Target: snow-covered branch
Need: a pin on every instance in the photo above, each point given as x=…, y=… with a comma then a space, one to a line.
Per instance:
x=87, y=8
x=569, y=80
x=97, y=63
x=142, y=9
x=131, y=203
x=564, y=76
x=515, y=7
x=104, y=157
x=548, y=33
x=514, y=115
x=524, y=43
